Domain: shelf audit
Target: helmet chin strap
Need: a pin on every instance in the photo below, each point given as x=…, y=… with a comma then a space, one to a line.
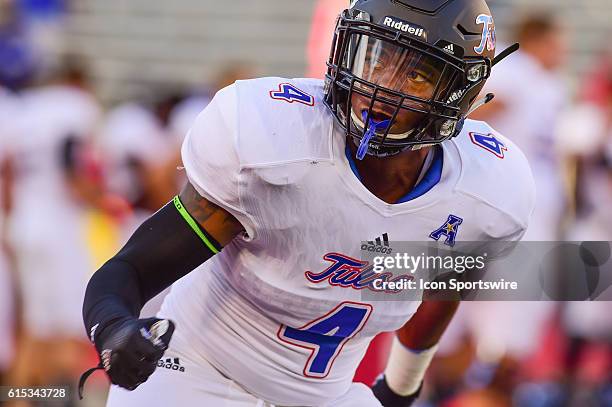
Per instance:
x=481, y=102
x=373, y=126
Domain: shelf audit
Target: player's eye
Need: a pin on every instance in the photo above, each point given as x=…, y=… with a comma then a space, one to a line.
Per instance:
x=418, y=77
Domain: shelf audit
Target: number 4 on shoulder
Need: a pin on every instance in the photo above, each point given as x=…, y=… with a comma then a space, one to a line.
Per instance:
x=290, y=93
x=326, y=335
x=490, y=143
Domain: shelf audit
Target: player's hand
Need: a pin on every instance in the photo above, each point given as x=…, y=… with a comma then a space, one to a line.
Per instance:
x=130, y=349
x=388, y=398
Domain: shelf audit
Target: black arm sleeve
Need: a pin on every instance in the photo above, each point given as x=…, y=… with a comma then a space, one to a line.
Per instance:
x=162, y=250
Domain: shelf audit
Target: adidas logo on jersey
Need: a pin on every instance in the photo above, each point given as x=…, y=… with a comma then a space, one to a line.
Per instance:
x=171, y=364
x=378, y=245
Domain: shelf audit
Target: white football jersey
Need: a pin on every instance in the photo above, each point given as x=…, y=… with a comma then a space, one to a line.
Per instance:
x=46, y=227
x=49, y=116
x=9, y=112
x=270, y=152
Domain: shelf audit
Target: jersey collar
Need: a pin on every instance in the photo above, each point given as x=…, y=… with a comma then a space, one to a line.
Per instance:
x=429, y=180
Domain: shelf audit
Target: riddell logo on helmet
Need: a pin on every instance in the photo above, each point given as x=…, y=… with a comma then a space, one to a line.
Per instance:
x=406, y=27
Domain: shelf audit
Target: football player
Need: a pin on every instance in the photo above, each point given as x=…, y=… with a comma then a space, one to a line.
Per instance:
x=286, y=178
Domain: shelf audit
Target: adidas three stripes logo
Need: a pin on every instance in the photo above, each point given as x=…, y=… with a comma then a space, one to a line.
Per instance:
x=171, y=364
x=378, y=242
x=378, y=245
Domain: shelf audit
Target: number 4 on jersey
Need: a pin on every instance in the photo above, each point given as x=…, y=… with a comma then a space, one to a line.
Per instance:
x=325, y=336
x=489, y=143
x=290, y=93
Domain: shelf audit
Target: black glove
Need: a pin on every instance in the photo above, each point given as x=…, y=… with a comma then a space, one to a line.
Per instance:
x=129, y=350
x=388, y=398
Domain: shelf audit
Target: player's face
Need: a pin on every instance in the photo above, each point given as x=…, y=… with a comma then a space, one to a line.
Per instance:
x=398, y=69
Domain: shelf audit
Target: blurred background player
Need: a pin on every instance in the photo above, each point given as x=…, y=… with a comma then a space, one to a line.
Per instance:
x=54, y=178
x=9, y=114
x=132, y=143
x=530, y=87
x=586, y=136
x=183, y=113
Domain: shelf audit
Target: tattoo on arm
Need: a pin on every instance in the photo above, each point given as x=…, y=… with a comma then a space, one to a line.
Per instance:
x=221, y=224
x=197, y=206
